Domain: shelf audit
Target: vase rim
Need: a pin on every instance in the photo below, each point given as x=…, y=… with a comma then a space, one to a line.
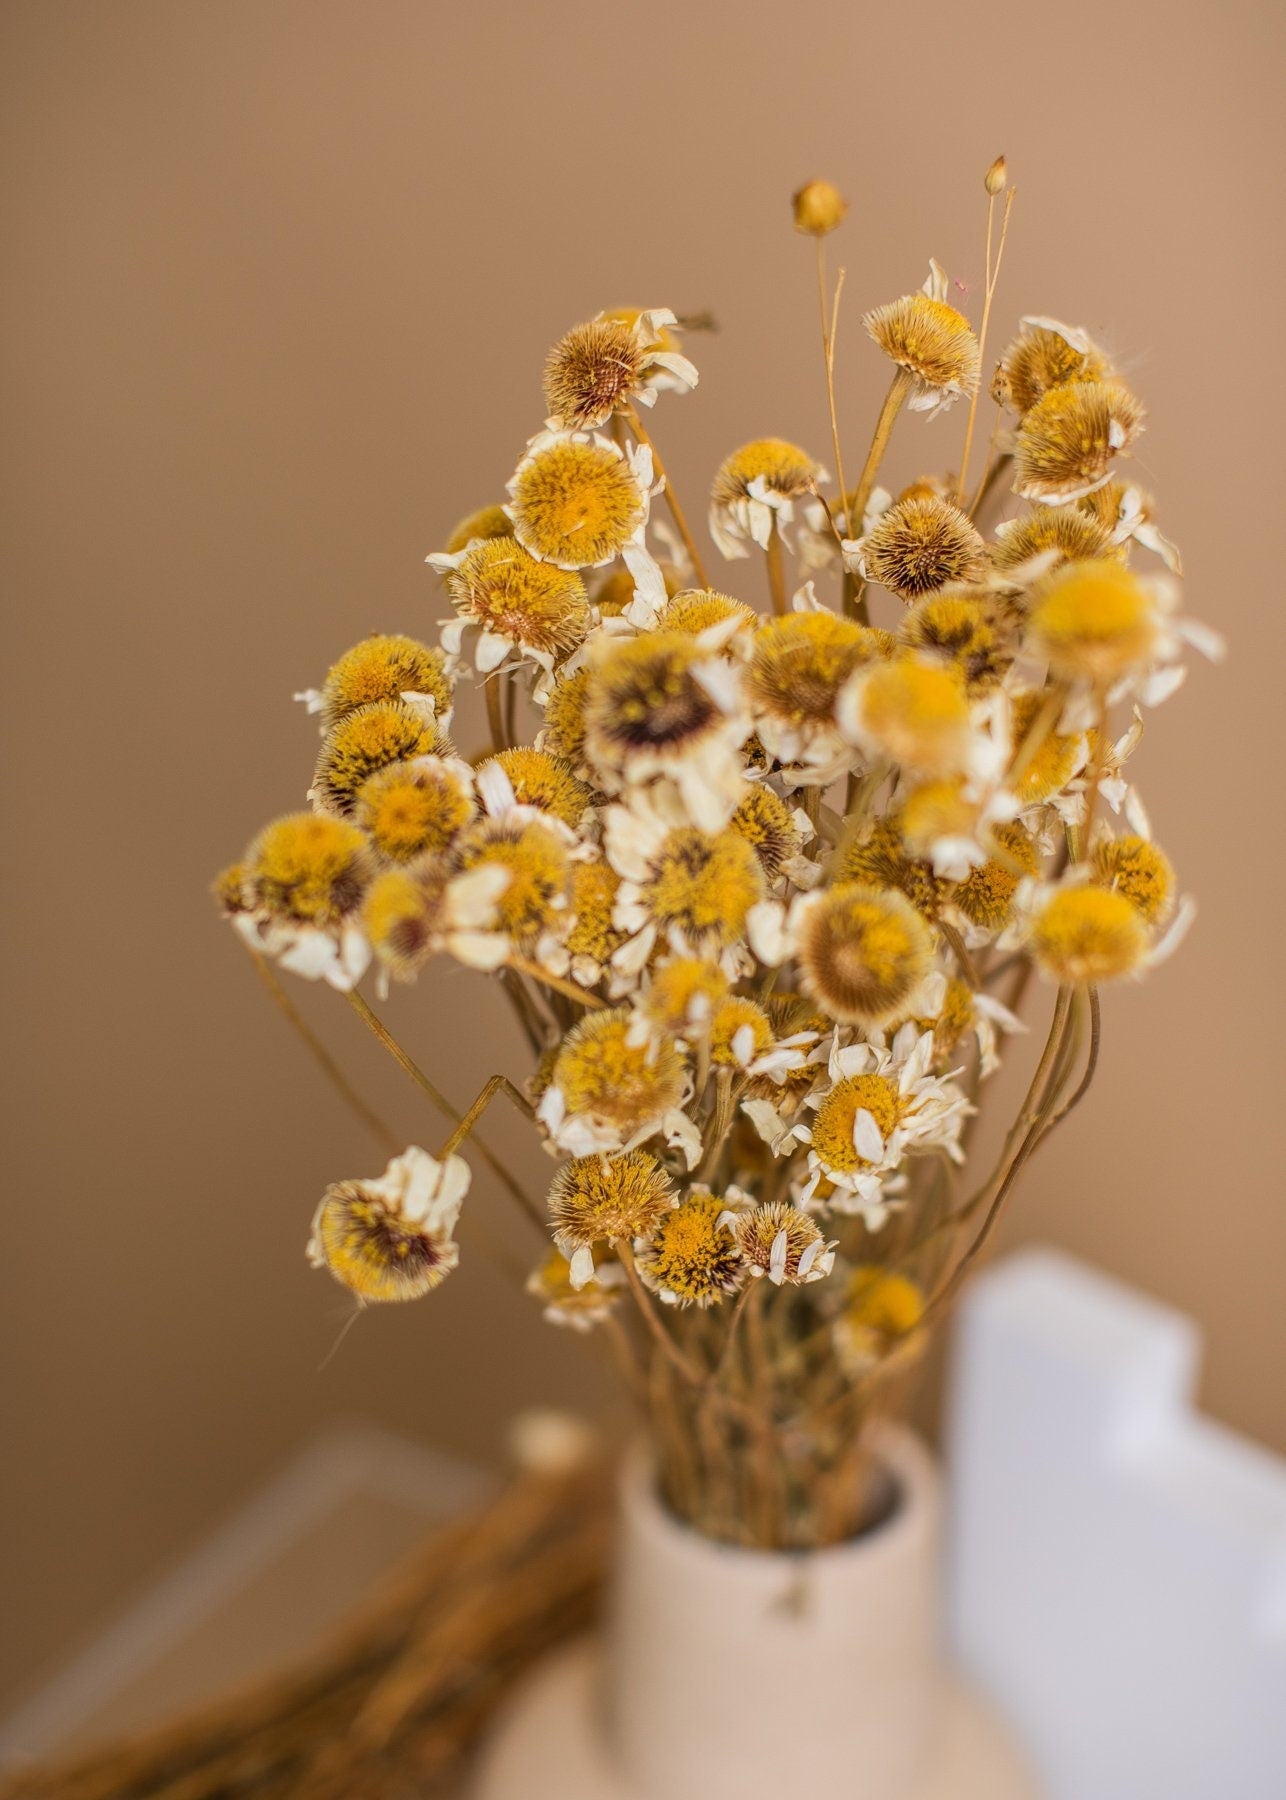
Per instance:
x=900, y=1452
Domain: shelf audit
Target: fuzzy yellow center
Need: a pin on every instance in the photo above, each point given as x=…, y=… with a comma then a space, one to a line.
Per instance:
x=917, y=714
x=545, y=782
x=801, y=661
x=307, y=866
x=693, y=610
x=603, y=1072
x=576, y=504
x=412, y=809
x=594, y=886
x=1068, y=532
x=536, y=862
x=596, y=1199
x=487, y=522
x=685, y=992
x=920, y=545
x=703, y=885
x=397, y=917
x=643, y=696
x=1066, y=442
x=1139, y=870
x=881, y=858
x=928, y=337
x=765, y=821
x=383, y=668
x=1038, y=360
x=986, y=895
x=1088, y=934
x=965, y=631
x=863, y=953
x=374, y=1252
x=739, y=1032
x=692, y=1256
x=592, y=372
x=564, y=732
x=1094, y=619
x=510, y=593
x=365, y=741
x=1054, y=760
x=783, y=468
x=884, y=1301
x=837, y=1115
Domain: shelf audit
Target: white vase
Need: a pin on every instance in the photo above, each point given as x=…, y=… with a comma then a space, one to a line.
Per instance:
x=725, y=1674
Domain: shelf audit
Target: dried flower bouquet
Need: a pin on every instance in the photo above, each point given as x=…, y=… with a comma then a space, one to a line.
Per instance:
x=764, y=889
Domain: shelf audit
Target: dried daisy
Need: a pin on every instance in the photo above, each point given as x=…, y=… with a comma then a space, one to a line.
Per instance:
x=912, y=712
x=688, y=890
x=919, y=546
x=740, y=1033
x=682, y=994
x=606, y=1200
x=986, y=895
x=579, y=501
x=302, y=882
x=692, y=1257
x=411, y=809
x=511, y=604
x=1047, y=536
x=604, y=366
x=970, y=630
x=862, y=951
x=883, y=1308
x=366, y=740
x=696, y=610
x=487, y=522
x=755, y=491
x=420, y=910
x=818, y=208
x=798, y=667
x=534, y=778
x=774, y=832
x=1083, y=933
x=1045, y=354
x=1094, y=620
x=1065, y=445
x=563, y=733
x=577, y=1308
x=784, y=1244
x=1138, y=869
x=593, y=937
x=931, y=341
x=383, y=668
x=390, y=1239
x=883, y=855
x=1050, y=762
x=663, y=705
x=610, y=1084
x=535, y=860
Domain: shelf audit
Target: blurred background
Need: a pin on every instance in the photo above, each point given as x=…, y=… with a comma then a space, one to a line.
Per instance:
x=281, y=277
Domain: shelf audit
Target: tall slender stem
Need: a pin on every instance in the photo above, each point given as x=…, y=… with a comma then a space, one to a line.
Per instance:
x=828, y=356
x=325, y=1061
x=993, y=276
x=665, y=1343
x=671, y=500
x=776, y=574
x=899, y=388
x=495, y=713
x=496, y=1085
x=522, y=966
x=378, y=1029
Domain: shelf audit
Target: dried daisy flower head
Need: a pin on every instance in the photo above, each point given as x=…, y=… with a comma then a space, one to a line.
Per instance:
x=784, y=1244
x=383, y=668
x=513, y=605
x=920, y=545
x=409, y=809
x=967, y=628
x=488, y=522
x=1083, y=934
x=1139, y=869
x=604, y=366
x=609, y=1084
x=931, y=342
x=607, y=1200
x=1094, y=620
x=1067, y=441
x=755, y=491
x=367, y=740
x=692, y=1257
x=862, y=951
x=390, y=1239
x=577, y=501
x=301, y=883
x=1045, y=354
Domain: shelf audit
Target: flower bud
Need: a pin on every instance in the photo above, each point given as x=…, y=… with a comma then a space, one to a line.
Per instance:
x=997, y=177
x=819, y=208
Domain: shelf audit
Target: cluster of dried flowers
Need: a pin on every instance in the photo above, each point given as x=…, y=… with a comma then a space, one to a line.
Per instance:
x=764, y=890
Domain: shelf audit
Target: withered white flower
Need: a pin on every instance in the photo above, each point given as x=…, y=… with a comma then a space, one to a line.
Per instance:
x=390, y=1238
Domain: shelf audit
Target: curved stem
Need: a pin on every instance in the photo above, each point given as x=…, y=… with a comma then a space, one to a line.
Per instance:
x=671, y=500
x=522, y=966
x=828, y=356
x=893, y=400
x=378, y=1029
x=325, y=1061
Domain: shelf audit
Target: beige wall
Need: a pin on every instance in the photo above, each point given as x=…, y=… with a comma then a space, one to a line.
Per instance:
x=280, y=277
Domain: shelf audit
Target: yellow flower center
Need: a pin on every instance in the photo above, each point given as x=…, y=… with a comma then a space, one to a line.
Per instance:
x=383, y=668
x=308, y=867
x=532, y=603
x=1088, y=934
x=1139, y=870
x=487, y=522
x=986, y=895
x=1094, y=619
x=596, y=1199
x=800, y=662
x=730, y=1020
x=1055, y=760
x=365, y=741
x=410, y=809
x=768, y=826
x=917, y=713
x=374, y=1252
x=784, y=468
x=691, y=1255
x=576, y=505
x=594, y=886
x=643, y=696
x=703, y=885
x=684, y=992
x=537, y=864
x=837, y=1115
x=863, y=953
x=602, y=1072
x=397, y=917
x=694, y=610
x=564, y=731
x=929, y=338
x=544, y=781
x=884, y=1301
